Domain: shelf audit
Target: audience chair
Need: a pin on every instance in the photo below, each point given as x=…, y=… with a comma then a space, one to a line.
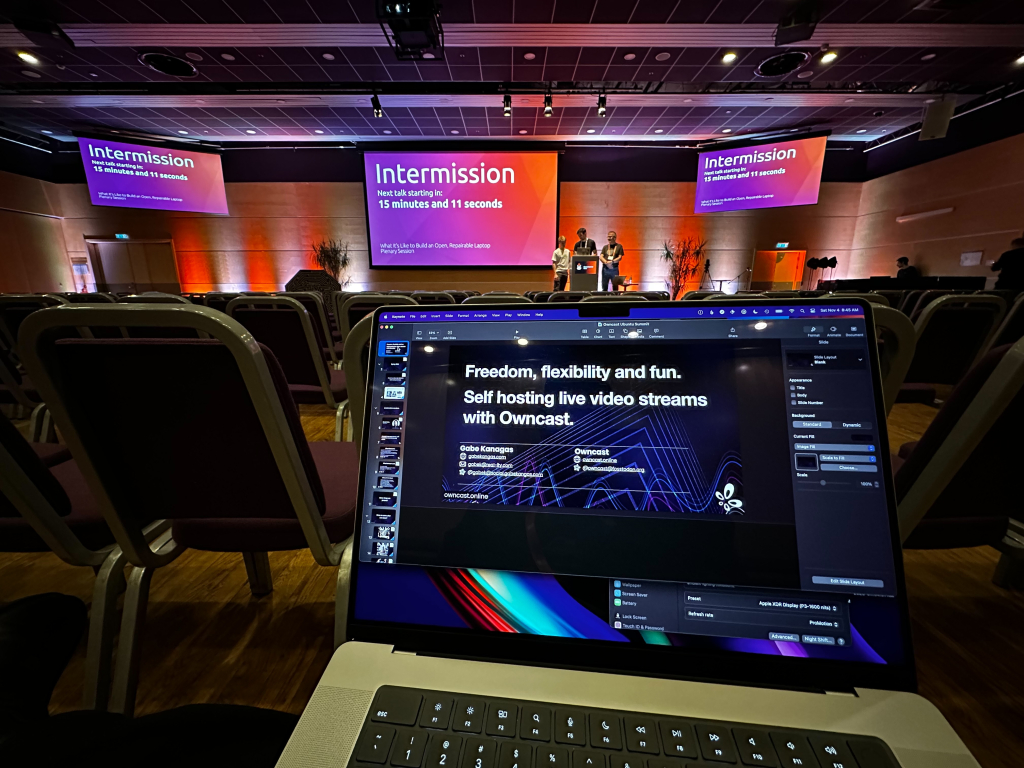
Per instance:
x=560, y=296
x=909, y=301
x=954, y=486
x=283, y=325
x=314, y=305
x=894, y=298
x=896, y=343
x=90, y=298
x=46, y=505
x=698, y=295
x=224, y=459
x=15, y=388
x=432, y=297
x=219, y=299
x=654, y=295
x=154, y=297
x=1011, y=330
x=357, y=366
x=540, y=297
x=951, y=332
x=497, y=298
x=926, y=298
x=727, y=297
x=613, y=296
x=355, y=308
x=14, y=308
x=874, y=298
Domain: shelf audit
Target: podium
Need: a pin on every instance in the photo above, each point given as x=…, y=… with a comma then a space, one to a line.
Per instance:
x=583, y=271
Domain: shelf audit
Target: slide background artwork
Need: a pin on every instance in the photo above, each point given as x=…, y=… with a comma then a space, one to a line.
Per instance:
x=520, y=233
x=137, y=184
x=753, y=185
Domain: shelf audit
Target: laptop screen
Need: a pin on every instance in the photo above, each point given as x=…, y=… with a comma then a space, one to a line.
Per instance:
x=708, y=476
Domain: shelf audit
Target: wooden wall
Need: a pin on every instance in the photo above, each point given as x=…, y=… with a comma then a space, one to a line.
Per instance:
x=268, y=235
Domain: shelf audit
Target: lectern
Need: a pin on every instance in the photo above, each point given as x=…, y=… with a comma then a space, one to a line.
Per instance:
x=583, y=273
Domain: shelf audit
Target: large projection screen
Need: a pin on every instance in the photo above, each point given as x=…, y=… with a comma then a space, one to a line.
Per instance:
x=762, y=176
x=168, y=178
x=461, y=209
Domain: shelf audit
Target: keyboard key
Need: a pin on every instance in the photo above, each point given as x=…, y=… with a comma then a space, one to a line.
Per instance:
x=501, y=719
x=515, y=754
x=872, y=754
x=443, y=751
x=669, y=762
x=585, y=758
x=605, y=732
x=374, y=744
x=793, y=750
x=625, y=761
x=570, y=727
x=677, y=738
x=480, y=753
x=409, y=747
x=396, y=705
x=832, y=752
x=716, y=743
x=552, y=757
x=641, y=735
x=437, y=711
x=536, y=723
x=755, y=747
x=469, y=716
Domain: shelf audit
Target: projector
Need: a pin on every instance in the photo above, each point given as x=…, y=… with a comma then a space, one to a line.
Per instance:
x=415, y=28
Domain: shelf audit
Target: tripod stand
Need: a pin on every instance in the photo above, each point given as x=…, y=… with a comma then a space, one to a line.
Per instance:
x=706, y=278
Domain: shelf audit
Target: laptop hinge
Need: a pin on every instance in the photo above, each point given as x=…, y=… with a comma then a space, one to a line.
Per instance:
x=852, y=693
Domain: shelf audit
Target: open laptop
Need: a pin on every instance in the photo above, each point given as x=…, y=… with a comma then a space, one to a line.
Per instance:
x=625, y=535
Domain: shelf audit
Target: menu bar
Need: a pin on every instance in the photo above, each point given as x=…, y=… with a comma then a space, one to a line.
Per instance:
x=710, y=312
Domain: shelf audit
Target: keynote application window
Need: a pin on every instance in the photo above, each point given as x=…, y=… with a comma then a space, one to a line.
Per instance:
x=721, y=472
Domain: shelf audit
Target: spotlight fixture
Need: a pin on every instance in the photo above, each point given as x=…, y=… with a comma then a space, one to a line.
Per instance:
x=797, y=24
x=727, y=130
x=729, y=58
x=507, y=105
x=828, y=57
x=602, y=105
x=27, y=57
x=415, y=28
x=547, y=106
x=1020, y=59
x=378, y=110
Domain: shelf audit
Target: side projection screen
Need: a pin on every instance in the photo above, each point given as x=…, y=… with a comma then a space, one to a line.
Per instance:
x=763, y=176
x=142, y=176
x=461, y=209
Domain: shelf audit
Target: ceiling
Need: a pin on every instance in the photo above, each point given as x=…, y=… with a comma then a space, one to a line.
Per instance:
x=303, y=70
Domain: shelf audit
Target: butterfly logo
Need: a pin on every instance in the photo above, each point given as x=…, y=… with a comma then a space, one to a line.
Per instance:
x=727, y=502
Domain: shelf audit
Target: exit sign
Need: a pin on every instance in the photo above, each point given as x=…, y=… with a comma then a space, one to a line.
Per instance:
x=777, y=245
x=120, y=236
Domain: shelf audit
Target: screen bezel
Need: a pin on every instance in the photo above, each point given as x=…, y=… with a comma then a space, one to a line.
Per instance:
x=718, y=666
x=546, y=267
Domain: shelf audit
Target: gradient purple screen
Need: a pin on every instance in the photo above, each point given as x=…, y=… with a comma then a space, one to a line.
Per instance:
x=461, y=209
x=164, y=178
x=763, y=176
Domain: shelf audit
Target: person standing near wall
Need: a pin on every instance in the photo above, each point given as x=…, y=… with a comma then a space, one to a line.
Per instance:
x=1010, y=266
x=904, y=271
x=611, y=255
x=560, y=263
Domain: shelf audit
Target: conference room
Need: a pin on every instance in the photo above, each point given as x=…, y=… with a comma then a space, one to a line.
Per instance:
x=500, y=384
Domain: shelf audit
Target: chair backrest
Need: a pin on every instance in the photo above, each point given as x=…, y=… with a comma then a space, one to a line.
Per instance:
x=219, y=299
x=698, y=295
x=1011, y=330
x=15, y=307
x=432, y=297
x=897, y=340
x=90, y=298
x=540, y=296
x=567, y=296
x=909, y=301
x=224, y=440
x=11, y=379
x=895, y=298
x=356, y=307
x=497, y=298
x=313, y=303
x=926, y=298
x=964, y=463
x=951, y=332
x=874, y=298
x=154, y=297
x=283, y=325
x=733, y=297
x=654, y=295
x=609, y=296
x=356, y=364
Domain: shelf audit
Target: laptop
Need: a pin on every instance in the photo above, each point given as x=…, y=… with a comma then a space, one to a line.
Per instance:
x=625, y=535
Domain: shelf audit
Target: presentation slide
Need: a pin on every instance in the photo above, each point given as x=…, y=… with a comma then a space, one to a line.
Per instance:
x=461, y=209
x=142, y=176
x=763, y=176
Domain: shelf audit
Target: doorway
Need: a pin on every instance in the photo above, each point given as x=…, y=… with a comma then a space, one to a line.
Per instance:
x=777, y=270
x=133, y=266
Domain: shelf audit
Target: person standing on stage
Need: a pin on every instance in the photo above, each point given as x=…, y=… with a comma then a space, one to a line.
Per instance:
x=611, y=255
x=584, y=245
x=560, y=263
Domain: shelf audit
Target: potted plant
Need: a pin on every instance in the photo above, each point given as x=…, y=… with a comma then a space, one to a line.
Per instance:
x=685, y=260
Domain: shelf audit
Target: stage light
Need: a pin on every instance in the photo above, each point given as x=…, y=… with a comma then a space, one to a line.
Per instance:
x=602, y=105
x=729, y=58
x=829, y=57
x=1020, y=59
x=28, y=58
x=507, y=105
x=547, y=106
x=378, y=110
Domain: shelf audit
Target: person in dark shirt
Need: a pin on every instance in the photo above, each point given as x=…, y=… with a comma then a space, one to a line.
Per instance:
x=585, y=245
x=904, y=271
x=611, y=255
x=1010, y=266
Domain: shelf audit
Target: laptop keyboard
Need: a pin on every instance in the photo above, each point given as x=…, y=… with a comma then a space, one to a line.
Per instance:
x=411, y=728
